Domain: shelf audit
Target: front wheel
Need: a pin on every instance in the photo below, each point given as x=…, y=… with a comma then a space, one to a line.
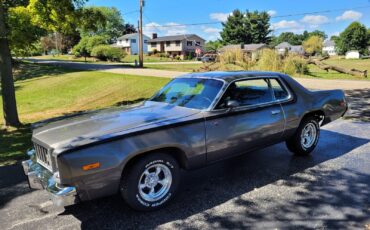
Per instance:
x=151, y=182
x=306, y=137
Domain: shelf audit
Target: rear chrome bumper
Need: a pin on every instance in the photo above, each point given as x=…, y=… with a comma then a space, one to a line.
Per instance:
x=41, y=178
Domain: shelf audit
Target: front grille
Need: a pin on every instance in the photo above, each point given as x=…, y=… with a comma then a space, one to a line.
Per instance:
x=43, y=156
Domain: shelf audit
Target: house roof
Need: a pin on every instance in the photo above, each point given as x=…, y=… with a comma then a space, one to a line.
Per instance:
x=329, y=43
x=253, y=47
x=174, y=38
x=248, y=47
x=283, y=45
x=129, y=36
x=297, y=49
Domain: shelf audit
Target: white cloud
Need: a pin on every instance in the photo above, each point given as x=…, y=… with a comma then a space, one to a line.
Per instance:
x=170, y=28
x=272, y=13
x=315, y=20
x=284, y=24
x=212, y=32
x=350, y=15
x=221, y=17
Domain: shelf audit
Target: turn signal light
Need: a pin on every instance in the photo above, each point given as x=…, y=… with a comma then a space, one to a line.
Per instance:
x=91, y=166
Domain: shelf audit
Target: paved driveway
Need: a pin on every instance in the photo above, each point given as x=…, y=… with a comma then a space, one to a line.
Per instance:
x=261, y=190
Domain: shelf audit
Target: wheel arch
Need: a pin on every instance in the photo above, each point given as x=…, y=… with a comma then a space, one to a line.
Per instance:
x=318, y=114
x=178, y=154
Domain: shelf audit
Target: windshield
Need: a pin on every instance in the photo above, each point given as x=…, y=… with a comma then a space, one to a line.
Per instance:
x=195, y=93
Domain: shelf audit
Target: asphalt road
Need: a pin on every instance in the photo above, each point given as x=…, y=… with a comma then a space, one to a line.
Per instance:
x=310, y=83
x=267, y=189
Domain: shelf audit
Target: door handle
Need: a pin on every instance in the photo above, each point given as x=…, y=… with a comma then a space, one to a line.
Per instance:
x=275, y=112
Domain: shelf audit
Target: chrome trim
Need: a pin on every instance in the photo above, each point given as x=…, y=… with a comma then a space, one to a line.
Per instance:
x=289, y=98
x=41, y=178
x=224, y=85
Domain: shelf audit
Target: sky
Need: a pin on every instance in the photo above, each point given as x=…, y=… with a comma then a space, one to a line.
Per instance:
x=167, y=17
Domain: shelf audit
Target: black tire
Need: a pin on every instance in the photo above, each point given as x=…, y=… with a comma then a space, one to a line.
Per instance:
x=129, y=187
x=295, y=144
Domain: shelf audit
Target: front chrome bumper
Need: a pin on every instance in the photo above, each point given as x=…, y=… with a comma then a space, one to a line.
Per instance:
x=41, y=178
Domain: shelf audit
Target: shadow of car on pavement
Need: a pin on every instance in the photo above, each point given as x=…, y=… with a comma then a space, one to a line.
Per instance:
x=216, y=184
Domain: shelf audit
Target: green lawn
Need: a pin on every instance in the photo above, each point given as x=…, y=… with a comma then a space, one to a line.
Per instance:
x=126, y=59
x=59, y=92
x=361, y=64
x=176, y=67
x=147, y=58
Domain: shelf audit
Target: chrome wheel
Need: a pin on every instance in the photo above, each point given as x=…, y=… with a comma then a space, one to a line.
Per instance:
x=155, y=182
x=308, y=135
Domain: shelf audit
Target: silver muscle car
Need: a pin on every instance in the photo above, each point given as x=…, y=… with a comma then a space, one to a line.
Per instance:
x=195, y=120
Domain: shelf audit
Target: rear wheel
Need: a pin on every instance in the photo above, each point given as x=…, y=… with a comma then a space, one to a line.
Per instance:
x=151, y=182
x=306, y=137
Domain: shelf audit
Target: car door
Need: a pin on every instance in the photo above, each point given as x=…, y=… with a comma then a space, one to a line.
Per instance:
x=257, y=121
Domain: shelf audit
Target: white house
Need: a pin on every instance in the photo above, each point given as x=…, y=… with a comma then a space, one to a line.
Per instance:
x=354, y=54
x=130, y=43
x=329, y=48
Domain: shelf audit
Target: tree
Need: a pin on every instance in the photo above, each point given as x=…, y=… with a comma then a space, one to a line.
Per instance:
x=87, y=44
x=54, y=15
x=6, y=75
x=246, y=28
x=319, y=33
x=260, y=26
x=354, y=37
x=213, y=46
x=23, y=34
x=313, y=45
x=291, y=38
x=235, y=30
x=104, y=21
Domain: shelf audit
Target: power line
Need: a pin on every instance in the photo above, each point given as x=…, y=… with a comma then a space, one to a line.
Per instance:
x=279, y=16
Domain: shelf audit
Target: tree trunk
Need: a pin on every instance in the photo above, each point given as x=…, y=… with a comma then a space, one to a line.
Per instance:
x=353, y=72
x=6, y=75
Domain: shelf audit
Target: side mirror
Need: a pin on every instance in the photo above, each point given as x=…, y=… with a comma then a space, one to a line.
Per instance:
x=232, y=104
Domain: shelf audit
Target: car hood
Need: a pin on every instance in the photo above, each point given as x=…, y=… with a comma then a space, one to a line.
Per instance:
x=97, y=126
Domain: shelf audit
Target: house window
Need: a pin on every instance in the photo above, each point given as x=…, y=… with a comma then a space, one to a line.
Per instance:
x=197, y=43
x=145, y=41
x=168, y=44
x=178, y=43
x=153, y=44
x=189, y=43
x=133, y=40
x=126, y=40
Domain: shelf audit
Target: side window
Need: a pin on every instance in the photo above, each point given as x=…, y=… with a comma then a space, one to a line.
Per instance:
x=248, y=93
x=279, y=91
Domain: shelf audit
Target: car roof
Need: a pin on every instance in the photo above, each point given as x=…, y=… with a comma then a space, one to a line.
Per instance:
x=230, y=75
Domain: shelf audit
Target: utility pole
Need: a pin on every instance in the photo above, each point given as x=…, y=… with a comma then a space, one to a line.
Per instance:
x=141, y=55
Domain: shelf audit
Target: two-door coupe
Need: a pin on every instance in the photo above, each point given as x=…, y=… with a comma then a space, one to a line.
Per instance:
x=194, y=120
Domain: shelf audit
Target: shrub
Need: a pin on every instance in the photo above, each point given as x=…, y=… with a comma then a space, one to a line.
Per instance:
x=295, y=64
x=235, y=57
x=87, y=44
x=270, y=60
x=106, y=52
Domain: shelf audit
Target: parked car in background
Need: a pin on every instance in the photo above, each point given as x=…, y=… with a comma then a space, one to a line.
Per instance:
x=208, y=58
x=194, y=121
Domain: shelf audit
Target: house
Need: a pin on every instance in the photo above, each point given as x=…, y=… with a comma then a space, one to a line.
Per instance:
x=177, y=45
x=329, y=48
x=252, y=50
x=130, y=43
x=284, y=47
x=354, y=54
